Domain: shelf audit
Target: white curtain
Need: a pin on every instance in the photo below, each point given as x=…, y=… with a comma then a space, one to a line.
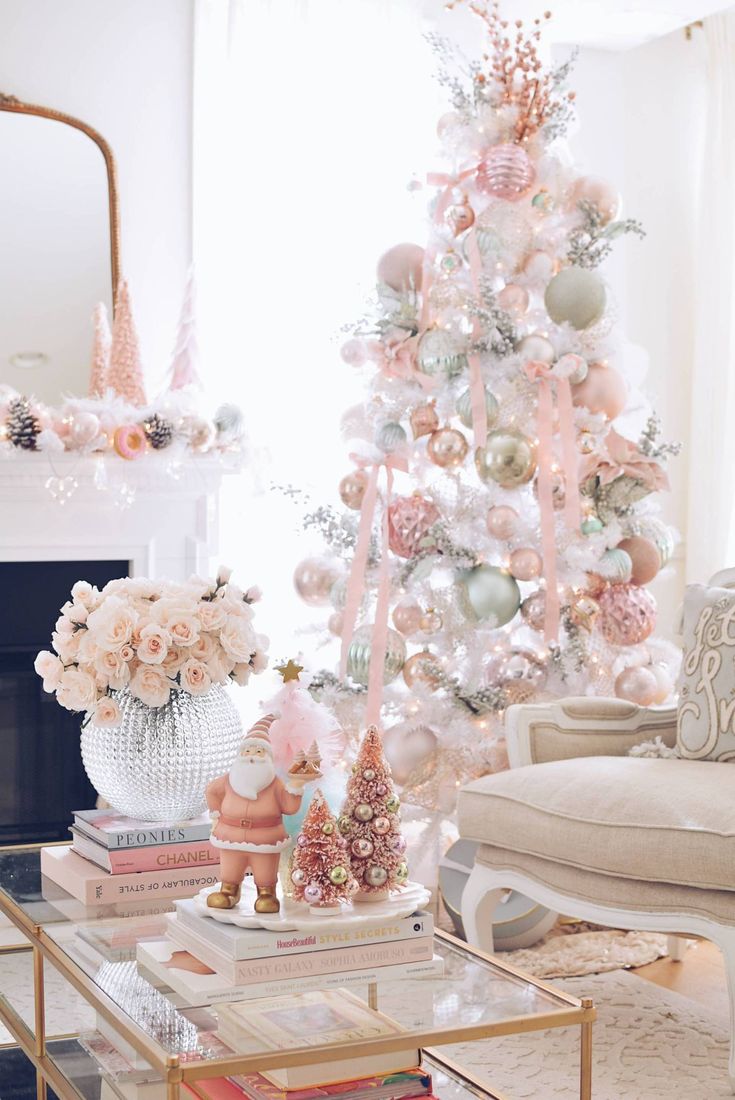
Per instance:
x=710, y=537
x=311, y=117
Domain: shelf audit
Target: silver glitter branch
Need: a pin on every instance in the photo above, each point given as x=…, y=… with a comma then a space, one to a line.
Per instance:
x=438, y=544
x=650, y=443
x=592, y=242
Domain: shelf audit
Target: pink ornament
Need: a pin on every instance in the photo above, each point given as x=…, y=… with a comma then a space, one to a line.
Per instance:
x=353, y=352
x=513, y=299
x=352, y=489
x=507, y=172
x=601, y=194
x=637, y=685
x=525, y=564
x=381, y=825
x=401, y=267
x=313, y=579
x=627, y=614
x=501, y=521
x=407, y=617
x=460, y=216
x=533, y=610
x=409, y=522
x=335, y=623
x=447, y=448
x=83, y=430
x=602, y=391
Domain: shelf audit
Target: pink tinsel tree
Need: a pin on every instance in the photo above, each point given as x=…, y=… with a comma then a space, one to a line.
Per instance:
x=185, y=360
x=100, y=352
x=126, y=371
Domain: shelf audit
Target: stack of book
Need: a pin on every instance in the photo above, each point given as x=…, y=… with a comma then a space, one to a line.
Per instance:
x=207, y=962
x=115, y=859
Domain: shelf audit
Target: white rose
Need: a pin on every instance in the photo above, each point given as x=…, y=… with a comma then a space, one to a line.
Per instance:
x=237, y=638
x=211, y=614
x=195, y=678
x=112, y=668
x=106, y=713
x=259, y=660
x=220, y=665
x=153, y=645
x=174, y=659
x=49, y=668
x=151, y=685
x=77, y=690
x=126, y=652
x=112, y=623
x=223, y=574
x=79, y=613
x=253, y=594
x=204, y=648
x=66, y=645
x=241, y=674
x=84, y=592
x=183, y=628
x=64, y=625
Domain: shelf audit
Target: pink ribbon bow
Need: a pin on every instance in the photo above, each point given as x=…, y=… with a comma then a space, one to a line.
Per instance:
x=356, y=582
x=543, y=374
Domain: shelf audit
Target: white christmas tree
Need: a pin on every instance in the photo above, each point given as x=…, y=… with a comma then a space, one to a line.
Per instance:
x=509, y=562
x=100, y=352
x=184, y=370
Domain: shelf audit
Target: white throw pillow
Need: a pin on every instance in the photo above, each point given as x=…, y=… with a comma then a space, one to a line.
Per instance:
x=706, y=717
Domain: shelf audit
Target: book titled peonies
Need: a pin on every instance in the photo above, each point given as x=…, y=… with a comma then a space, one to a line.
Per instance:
x=152, y=637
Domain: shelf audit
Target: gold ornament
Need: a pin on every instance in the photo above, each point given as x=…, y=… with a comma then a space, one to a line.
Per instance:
x=584, y=611
x=431, y=621
x=447, y=448
x=509, y=458
x=352, y=489
x=460, y=216
x=421, y=668
x=424, y=420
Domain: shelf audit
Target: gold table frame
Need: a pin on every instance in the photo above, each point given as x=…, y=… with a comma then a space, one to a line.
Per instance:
x=33, y=1043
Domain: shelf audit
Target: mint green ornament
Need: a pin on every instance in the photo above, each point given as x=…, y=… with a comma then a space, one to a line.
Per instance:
x=591, y=526
x=489, y=594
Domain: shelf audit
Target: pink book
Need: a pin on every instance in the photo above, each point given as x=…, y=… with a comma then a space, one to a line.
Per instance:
x=86, y=882
x=360, y=957
x=160, y=857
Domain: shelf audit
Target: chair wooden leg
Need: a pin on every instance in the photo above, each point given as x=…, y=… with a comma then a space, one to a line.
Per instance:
x=480, y=897
x=726, y=943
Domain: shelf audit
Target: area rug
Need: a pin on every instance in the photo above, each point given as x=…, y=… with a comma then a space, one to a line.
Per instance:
x=567, y=956
x=648, y=1043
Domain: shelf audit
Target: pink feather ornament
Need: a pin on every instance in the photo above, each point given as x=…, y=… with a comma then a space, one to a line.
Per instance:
x=301, y=720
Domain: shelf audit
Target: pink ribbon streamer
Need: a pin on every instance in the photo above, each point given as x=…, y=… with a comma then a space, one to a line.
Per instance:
x=356, y=582
x=540, y=372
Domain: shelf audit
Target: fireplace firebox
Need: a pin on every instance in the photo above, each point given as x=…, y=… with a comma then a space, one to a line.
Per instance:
x=42, y=779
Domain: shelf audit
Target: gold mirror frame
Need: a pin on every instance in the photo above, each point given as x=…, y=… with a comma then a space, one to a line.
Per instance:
x=12, y=103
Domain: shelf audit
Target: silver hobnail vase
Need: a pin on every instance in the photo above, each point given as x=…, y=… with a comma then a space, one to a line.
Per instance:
x=156, y=764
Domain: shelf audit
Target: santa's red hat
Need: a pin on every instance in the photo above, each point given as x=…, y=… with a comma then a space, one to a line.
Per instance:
x=258, y=734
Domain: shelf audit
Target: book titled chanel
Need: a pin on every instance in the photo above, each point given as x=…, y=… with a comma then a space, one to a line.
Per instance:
x=92, y=886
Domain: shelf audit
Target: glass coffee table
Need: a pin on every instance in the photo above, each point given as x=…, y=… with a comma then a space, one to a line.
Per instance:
x=92, y=954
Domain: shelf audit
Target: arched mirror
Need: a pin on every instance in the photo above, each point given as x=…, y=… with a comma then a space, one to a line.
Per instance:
x=59, y=247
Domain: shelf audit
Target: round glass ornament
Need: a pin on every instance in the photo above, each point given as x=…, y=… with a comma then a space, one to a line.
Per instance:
x=358, y=655
x=441, y=352
x=509, y=458
x=488, y=594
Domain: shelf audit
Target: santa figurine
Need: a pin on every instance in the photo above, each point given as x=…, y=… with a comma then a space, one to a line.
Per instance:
x=248, y=804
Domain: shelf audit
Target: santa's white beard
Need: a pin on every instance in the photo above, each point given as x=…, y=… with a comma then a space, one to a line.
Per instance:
x=248, y=776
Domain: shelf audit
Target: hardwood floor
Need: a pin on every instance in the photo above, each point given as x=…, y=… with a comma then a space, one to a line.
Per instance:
x=700, y=975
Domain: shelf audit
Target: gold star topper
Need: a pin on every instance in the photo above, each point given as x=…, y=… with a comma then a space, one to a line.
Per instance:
x=289, y=671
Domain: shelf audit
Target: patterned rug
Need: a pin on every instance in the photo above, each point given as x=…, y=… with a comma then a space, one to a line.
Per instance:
x=648, y=1043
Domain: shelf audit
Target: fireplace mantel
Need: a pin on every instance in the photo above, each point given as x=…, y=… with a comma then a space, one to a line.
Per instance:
x=170, y=528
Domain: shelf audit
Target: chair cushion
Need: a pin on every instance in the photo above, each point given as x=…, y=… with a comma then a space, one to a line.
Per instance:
x=651, y=820
x=706, y=713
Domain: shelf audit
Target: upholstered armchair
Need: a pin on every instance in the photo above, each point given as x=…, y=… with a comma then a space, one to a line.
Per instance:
x=579, y=826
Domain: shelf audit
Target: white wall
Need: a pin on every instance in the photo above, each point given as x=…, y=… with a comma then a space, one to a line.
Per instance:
x=641, y=125
x=124, y=66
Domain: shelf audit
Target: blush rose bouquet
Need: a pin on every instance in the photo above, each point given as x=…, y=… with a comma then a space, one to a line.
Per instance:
x=151, y=637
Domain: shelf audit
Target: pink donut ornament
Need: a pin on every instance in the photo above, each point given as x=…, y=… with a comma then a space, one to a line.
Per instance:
x=129, y=441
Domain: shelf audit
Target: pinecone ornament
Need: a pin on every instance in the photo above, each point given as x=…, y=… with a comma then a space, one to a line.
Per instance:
x=21, y=424
x=158, y=431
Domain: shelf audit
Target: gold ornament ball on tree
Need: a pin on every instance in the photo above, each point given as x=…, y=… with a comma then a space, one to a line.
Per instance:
x=447, y=448
x=313, y=580
x=506, y=172
x=459, y=216
x=533, y=610
x=442, y=352
x=509, y=459
x=352, y=489
x=360, y=650
x=576, y=296
x=488, y=594
x=464, y=408
x=502, y=521
x=602, y=391
x=525, y=564
x=431, y=621
x=407, y=617
x=421, y=668
x=644, y=557
x=637, y=685
x=401, y=267
x=424, y=420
